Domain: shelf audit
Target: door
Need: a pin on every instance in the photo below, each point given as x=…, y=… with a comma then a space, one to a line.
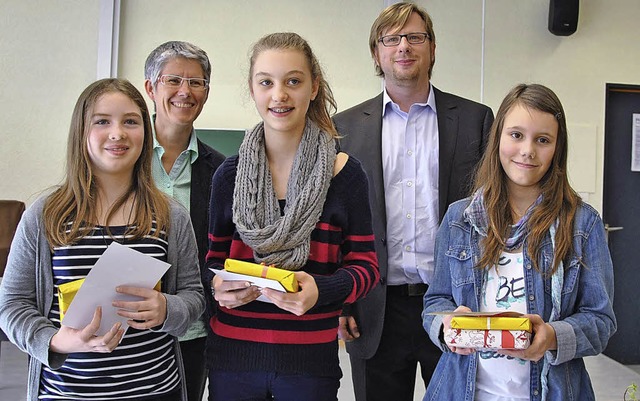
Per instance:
x=621, y=214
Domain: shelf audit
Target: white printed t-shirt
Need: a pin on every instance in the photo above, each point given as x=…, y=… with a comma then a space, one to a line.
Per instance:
x=501, y=377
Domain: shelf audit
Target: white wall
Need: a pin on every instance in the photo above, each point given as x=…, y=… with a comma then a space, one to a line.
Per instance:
x=604, y=49
x=226, y=31
x=48, y=51
x=47, y=57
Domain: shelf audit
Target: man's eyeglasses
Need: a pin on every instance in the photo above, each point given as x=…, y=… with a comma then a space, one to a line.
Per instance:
x=414, y=38
x=175, y=81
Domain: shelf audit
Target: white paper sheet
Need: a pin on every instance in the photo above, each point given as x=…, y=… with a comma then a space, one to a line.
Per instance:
x=257, y=281
x=118, y=266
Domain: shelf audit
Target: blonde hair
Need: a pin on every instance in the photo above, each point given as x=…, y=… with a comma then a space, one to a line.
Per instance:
x=324, y=104
x=395, y=17
x=559, y=200
x=70, y=209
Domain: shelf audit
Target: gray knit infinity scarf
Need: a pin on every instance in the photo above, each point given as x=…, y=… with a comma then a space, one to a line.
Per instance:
x=283, y=241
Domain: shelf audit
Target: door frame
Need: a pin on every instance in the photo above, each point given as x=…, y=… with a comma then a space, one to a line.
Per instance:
x=624, y=338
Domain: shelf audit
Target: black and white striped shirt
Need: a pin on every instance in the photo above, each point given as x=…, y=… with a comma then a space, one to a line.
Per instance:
x=142, y=367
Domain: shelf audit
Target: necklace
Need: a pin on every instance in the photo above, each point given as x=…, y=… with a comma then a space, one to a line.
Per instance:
x=126, y=227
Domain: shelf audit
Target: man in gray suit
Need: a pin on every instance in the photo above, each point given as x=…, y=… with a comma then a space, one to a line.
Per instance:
x=420, y=147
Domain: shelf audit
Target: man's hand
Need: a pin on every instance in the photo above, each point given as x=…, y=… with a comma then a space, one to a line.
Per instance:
x=348, y=328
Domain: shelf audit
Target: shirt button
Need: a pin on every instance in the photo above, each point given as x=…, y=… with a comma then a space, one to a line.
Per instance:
x=463, y=254
x=408, y=215
x=535, y=392
x=407, y=248
x=409, y=184
x=409, y=152
x=528, y=266
x=168, y=185
x=531, y=297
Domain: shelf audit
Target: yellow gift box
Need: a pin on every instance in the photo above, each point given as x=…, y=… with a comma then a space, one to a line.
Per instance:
x=67, y=291
x=491, y=323
x=488, y=339
x=284, y=277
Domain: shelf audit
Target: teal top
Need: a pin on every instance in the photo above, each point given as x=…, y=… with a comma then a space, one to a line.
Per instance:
x=177, y=185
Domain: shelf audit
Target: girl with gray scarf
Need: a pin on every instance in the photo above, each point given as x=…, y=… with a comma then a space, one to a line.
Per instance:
x=290, y=201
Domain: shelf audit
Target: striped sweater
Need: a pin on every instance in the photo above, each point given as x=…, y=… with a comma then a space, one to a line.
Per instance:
x=142, y=367
x=259, y=336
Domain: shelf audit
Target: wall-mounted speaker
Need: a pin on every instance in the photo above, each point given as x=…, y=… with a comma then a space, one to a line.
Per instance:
x=563, y=16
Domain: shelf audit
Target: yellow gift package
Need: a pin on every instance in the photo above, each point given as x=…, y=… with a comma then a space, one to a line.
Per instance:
x=67, y=291
x=284, y=277
x=491, y=323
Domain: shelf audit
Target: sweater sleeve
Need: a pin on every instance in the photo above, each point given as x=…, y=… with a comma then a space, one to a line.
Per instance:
x=185, y=302
x=221, y=227
x=358, y=273
x=22, y=312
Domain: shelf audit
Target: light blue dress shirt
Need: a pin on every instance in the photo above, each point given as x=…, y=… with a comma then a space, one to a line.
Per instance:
x=410, y=151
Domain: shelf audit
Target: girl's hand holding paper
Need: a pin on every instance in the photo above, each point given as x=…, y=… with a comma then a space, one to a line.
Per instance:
x=149, y=312
x=233, y=293
x=68, y=340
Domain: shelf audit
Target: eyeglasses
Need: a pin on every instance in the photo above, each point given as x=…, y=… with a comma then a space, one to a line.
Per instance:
x=414, y=38
x=175, y=81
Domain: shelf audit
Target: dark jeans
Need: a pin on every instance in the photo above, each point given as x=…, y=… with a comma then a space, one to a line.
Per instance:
x=173, y=396
x=391, y=372
x=195, y=371
x=267, y=386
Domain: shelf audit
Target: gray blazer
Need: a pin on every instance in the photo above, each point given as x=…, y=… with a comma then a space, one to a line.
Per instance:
x=463, y=127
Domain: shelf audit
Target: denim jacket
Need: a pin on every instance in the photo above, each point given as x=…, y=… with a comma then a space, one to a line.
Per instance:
x=586, y=319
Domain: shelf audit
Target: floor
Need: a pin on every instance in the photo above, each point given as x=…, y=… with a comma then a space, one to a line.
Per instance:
x=610, y=378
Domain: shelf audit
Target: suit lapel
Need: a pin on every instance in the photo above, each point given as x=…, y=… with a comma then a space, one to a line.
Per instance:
x=447, y=137
x=372, y=129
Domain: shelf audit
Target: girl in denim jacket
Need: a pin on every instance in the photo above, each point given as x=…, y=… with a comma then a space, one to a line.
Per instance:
x=524, y=242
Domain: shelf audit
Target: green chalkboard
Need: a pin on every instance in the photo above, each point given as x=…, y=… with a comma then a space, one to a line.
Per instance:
x=225, y=141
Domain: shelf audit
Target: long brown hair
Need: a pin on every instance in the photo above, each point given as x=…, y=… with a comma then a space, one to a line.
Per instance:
x=71, y=209
x=324, y=104
x=559, y=200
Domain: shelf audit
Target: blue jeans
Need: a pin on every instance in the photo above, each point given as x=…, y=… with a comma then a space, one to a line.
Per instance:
x=267, y=386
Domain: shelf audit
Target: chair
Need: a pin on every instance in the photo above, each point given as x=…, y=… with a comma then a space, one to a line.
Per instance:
x=10, y=214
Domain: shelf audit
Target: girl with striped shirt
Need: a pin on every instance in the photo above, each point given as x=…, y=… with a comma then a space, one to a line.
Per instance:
x=107, y=195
